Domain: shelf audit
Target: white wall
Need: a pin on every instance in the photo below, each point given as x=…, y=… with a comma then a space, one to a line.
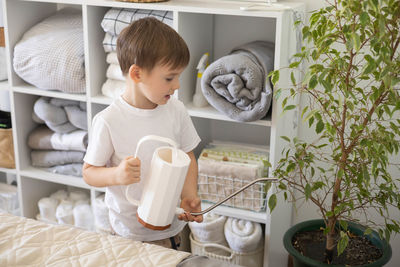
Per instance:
x=305, y=212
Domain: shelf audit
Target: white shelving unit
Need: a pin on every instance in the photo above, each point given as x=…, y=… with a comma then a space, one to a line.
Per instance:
x=214, y=26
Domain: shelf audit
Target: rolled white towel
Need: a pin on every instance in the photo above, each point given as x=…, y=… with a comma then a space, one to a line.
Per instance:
x=211, y=230
x=113, y=88
x=64, y=212
x=100, y=211
x=83, y=216
x=243, y=235
x=60, y=195
x=77, y=195
x=112, y=58
x=114, y=72
x=47, y=208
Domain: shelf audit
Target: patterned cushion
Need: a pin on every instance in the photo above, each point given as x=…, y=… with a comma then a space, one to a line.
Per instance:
x=51, y=54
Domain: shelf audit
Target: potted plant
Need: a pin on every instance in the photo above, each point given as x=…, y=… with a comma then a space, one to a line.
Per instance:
x=351, y=84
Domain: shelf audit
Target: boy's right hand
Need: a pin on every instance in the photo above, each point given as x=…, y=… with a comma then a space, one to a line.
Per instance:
x=128, y=171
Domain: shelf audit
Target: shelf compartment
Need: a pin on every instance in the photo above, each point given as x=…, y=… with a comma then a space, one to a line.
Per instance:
x=32, y=90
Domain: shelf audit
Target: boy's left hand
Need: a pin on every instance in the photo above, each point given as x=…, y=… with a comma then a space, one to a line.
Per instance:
x=191, y=204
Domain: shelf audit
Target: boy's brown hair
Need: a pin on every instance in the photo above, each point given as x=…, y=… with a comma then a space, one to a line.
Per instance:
x=147, y=42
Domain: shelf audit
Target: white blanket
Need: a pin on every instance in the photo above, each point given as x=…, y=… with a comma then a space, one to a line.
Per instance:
x=26, y=242
x=114, y=72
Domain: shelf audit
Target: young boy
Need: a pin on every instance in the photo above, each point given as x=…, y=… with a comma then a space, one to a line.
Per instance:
x=152, y=56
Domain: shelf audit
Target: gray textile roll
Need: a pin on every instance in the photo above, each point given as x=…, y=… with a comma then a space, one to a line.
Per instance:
x=238, y=85
x=50, y=158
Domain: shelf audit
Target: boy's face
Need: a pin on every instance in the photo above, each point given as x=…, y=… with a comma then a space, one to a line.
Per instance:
x=160, y=83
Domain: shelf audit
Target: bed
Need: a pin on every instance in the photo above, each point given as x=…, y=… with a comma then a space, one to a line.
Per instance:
x=25, y=242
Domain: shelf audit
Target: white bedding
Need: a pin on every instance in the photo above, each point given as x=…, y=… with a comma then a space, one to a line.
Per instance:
x=29, y=242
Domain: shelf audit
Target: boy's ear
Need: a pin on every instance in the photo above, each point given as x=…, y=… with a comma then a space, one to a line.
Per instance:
x=135, y=73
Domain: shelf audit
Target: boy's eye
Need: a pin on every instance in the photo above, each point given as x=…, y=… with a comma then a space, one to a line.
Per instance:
x=169, y=79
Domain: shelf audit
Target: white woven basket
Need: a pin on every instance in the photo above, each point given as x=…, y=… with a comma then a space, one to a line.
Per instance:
x=219, y=252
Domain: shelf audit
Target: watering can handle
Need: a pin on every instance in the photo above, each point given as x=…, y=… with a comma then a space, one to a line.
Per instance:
x=141, y=141
x=154, y=138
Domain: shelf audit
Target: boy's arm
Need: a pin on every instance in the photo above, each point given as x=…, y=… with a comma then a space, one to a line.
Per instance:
x=190, y=199
x=127, y=172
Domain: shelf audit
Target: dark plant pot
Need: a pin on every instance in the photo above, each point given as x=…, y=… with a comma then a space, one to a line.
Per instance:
x=300, y=260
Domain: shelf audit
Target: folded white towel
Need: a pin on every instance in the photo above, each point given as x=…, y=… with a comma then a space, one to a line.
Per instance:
x=243, y=235
x=47, y=208
x=112, y=58
x=114, y=72
x=113, y=88
x=211, y=230
x=78, y=196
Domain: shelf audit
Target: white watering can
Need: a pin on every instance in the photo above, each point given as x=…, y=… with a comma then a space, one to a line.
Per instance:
x=164, y=183
x=162, y=186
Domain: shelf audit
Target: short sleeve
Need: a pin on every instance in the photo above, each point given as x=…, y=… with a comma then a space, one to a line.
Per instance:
x=100, y=148
x=189, y=137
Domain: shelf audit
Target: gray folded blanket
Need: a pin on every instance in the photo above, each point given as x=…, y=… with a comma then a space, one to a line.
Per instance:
x=238, y=84
x=50, y=158
x=43, y=138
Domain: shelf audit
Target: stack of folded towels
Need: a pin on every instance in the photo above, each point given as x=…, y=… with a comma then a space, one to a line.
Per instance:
x=239, y=235
x=114, y=21
x=64, y=207
x=59, y=143
x=226, y=167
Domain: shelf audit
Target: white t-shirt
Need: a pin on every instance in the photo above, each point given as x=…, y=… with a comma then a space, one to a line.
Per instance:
x=114, y=135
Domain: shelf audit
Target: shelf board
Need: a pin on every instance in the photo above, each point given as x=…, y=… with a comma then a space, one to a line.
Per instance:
x=40, y=174
x=209, y=112
x=261, y=217
x=102, y=99
x=32, y=90
x=6, y=170
x=4, y=85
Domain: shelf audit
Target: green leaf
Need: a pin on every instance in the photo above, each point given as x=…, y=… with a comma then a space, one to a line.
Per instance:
x=307, y=191
x=319, y=127
x=289, y=107
x=272, y=202
x=275, y=77
x=285, y=138
x=364, y=18
x=343, y=242
x=356, y=41
x=292, y=78
x=368, y=231
x=313, y=82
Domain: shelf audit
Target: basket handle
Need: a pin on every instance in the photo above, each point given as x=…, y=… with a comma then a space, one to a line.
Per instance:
x=212, y=255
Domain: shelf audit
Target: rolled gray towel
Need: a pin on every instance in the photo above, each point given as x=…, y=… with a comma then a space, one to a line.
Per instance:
x=77, y=117
x=74, y=169
x=238, y=85
x=48, y=112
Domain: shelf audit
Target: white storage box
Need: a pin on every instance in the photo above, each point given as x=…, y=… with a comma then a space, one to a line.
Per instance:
x=9, y=199
x=219, y=252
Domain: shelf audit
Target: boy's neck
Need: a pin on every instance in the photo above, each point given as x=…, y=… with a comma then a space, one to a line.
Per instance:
x=134, y=97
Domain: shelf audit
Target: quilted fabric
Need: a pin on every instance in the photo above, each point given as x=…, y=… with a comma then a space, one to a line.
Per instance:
x=28, y=242
x=50, y=55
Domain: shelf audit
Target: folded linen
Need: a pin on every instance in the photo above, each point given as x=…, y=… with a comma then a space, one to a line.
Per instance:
x=116, y=19
x=113, y=88
x=73, y=169
x=50, y=158
x=112, y=58
x=211, y=230
x=243, y=235
x=114, y=72
x=64, y=212
x=83, y=216
x=47, y=208
x=42, y=138
x=110, y=43
x=237, y=84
